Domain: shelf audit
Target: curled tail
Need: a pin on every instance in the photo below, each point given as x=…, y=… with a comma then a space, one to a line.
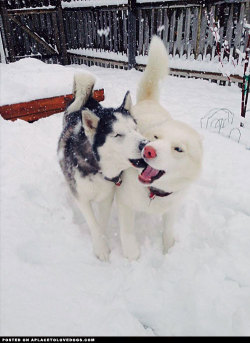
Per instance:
x=156, y=70
x=82, y=90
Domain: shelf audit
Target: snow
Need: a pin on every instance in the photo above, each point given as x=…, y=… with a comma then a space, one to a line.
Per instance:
x=176, y=62
x=100, y=53
x=206, y=65
x=51, y=283
x=30, y=79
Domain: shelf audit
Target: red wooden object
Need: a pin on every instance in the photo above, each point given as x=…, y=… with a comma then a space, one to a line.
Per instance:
x=41, y=108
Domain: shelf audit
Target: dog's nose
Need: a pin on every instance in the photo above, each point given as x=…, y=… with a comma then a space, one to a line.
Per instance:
x=142, y=144
x=149, y=152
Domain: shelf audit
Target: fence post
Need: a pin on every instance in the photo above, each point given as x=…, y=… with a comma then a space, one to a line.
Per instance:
x=131, y=33
x=7, y=30
x=63, y=49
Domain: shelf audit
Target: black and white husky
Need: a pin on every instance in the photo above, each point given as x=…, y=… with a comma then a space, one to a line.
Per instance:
x=96, y=145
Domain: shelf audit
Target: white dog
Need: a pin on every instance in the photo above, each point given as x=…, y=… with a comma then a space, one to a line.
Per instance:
x=173, y=159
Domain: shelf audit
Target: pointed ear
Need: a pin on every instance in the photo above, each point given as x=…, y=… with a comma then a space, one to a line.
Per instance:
x=127, y=102
x=89, y=122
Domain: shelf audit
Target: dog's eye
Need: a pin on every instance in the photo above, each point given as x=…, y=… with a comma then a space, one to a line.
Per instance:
x=156, y=137
x=178, y=149
x=118, y=135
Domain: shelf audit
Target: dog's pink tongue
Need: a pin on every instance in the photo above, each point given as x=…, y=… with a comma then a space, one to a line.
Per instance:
x=147, y=174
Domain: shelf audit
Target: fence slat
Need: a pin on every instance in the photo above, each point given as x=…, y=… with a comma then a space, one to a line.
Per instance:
x=178, y=44
x=125, y=31
x=239, y=27
x=146, y=37
x=166, y=28
x=172, y=32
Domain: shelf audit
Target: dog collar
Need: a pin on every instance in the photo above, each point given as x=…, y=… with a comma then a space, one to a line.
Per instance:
x=157, y=192
x=116, y=180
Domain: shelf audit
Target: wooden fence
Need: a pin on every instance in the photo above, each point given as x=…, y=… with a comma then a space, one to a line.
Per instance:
x=119, y=35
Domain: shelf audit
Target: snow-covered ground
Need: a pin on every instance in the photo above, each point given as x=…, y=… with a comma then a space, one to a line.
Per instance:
x=51, y=283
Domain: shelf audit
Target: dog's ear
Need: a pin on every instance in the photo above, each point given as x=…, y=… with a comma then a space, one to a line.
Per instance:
x=89, y=122
x=127, y=102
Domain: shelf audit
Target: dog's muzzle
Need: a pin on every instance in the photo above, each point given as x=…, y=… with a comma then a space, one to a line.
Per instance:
x=142, y=144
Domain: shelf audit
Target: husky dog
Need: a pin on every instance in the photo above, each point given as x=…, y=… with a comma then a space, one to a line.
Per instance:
x=96, y=145
x=173, y=159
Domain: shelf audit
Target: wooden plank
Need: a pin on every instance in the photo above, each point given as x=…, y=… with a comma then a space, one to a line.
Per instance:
x=55, y=31
x=35, y=107
x=198, y=74
x=41, y=108
x=194, y=30
x=125, y=30
x=201, y=45
x=239, y=27
x=152, y=23
x=210, y=39
x=33, y=11
x=131, y=33
x=97, y=23
x=79, y=29
x=166, y=25
x=172, y=32
x=63, y=49
x=115, y=32
x=178, y=43
x=140, y=37
x=75, y=30
x=106, y=37
x=93, y=25
x=26, y=39
x=102, y=42
x=159, y=23
x=35, y=28
x=186, y=41
x=146, y=32
x=119, y=30
x=90, y=31
x=205, y=75
x=102, y=61
x=229, y=32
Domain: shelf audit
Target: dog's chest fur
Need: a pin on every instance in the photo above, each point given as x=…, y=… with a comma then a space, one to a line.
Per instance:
x=93, y=187
x=139, y=195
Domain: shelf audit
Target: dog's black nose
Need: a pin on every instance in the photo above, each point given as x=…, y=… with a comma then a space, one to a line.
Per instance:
x=142, y=144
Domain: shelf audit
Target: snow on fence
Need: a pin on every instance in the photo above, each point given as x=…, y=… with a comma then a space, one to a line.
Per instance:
x=204, y=38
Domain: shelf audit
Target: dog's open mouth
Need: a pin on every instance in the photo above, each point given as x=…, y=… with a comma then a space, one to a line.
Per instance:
x=149, y=174
x=138, y=163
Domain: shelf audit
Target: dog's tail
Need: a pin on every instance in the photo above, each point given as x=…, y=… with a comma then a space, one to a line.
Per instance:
x=82, y=90
x=156, y=70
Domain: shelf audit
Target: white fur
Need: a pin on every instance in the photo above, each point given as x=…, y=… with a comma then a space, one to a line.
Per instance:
x=82, y=89
x=181, y=168
x=157, y=70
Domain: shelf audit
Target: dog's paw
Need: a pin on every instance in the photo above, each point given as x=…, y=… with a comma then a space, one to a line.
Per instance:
x=131, y=249
x=101, y=250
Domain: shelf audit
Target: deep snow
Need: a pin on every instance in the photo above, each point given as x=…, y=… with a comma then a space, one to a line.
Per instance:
x=51, y=283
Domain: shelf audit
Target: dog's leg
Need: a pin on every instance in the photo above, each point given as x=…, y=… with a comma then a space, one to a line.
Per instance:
x=104, y=211
x=168, y=230
x=100, y=245
x=128, y=239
